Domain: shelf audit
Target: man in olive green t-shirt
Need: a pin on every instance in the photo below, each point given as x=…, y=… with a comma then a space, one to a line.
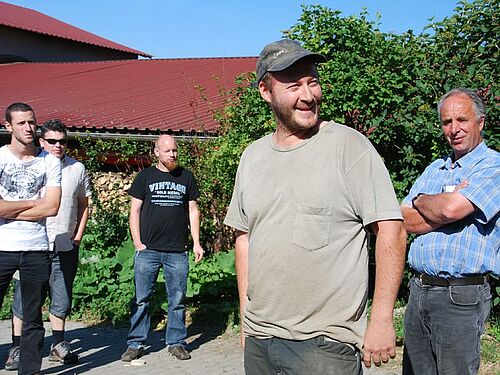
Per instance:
x=304, y=201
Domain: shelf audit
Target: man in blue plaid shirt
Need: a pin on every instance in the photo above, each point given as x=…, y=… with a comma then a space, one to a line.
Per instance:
x=453, y=208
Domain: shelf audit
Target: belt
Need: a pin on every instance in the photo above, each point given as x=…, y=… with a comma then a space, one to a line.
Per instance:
x=441, y=281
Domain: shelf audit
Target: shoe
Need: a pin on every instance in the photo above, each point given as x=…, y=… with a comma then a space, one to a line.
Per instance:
x=179, y=352
x=132, y=353
x=12, y=362
x=62, y=353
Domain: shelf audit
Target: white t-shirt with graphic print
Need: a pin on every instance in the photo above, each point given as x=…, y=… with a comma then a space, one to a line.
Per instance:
x=26, y=180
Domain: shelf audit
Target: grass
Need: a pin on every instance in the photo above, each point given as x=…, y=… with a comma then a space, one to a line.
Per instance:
x=490, y=348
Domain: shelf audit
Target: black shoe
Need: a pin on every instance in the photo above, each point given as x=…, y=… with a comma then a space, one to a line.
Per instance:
x=131, y=354
x=13, y=359
x=62, y=353
x=179, y=352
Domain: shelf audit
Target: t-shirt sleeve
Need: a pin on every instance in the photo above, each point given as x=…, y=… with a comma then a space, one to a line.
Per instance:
x=484, y=192
x=53, y=171
x=137, y=188
x=236, y=217
x=373, y=194
x=84, y=190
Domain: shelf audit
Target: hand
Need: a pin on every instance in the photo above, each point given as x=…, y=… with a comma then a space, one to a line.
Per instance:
x=198, y=252
x=139, y=247
x=461, y=185
x=380, y=343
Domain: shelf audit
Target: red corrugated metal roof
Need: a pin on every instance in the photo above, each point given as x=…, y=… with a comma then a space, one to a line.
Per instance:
x=147, y=95
x=31, y=20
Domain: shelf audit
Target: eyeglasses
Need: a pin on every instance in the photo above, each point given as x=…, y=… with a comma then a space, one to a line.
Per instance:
x=61, y=141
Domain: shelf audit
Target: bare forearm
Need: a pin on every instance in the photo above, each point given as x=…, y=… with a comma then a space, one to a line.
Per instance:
x=81, y=223
x=390, y=254
x=415, y=223
x=135, y=230
x=38, y=213
x=45, y=207
x=12, y=209
x=241, y=264
x=194, y=225
x=443, y=208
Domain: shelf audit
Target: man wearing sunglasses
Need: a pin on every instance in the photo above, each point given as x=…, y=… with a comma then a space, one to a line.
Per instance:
x=30, y=191
x=65, y=232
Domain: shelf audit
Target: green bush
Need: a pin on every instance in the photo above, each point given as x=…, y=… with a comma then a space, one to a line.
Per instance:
x=104, y=283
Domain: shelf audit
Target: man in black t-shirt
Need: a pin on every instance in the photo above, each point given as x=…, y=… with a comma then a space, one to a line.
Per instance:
x=163, y=209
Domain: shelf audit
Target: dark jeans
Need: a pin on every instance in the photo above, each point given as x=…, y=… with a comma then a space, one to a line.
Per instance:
x=175, y=270
x=63, y=267
x=34, y=269
x=317, y=356
x=443, y=326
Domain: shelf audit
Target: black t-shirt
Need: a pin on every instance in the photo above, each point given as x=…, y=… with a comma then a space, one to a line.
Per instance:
x=164, y=219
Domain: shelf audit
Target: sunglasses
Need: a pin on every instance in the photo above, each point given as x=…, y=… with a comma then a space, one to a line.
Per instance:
x=62, y=141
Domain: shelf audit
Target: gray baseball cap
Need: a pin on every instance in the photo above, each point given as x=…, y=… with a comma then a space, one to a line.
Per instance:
x=282, y=54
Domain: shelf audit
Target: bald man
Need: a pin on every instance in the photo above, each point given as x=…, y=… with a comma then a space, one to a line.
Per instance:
x=162, y=212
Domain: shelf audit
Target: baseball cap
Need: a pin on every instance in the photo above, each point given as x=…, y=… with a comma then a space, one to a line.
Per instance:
x=278, y=56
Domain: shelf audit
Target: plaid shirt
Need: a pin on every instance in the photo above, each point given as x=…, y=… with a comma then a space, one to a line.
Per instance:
x=472, y=245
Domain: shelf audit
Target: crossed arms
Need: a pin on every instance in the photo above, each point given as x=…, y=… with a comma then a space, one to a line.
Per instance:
x=430, y=212
x=32, y=210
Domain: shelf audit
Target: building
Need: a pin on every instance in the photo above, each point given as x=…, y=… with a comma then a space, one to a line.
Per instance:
x=102, y=89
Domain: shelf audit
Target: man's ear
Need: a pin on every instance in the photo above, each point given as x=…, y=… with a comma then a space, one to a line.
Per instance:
x=157, y=153
x=264, y=92
x=481, y=124
x=8, y=126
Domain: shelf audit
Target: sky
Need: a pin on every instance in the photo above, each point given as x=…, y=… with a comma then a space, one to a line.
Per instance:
x=220, y=28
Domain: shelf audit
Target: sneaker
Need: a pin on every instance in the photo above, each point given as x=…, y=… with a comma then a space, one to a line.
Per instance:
x=13, y=359
x=179, y=352
x=132, y=353
x=62, y=353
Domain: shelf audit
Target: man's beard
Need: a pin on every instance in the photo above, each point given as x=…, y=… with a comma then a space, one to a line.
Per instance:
x=24, y=141
x=285, y=117
x=170, y=164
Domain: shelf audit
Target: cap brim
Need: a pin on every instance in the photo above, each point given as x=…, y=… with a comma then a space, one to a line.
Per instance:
x=293, y=58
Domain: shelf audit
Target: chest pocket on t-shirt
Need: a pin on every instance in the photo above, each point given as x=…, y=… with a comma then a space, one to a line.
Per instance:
x=311, y=229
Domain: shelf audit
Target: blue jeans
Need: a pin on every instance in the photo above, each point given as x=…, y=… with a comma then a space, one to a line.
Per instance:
x=33, y=268
x=175, y=270
x=63, y=267
x=316, y=356
x=443, y=327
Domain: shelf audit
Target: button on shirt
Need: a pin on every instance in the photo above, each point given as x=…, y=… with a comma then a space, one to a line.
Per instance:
x=471, y=245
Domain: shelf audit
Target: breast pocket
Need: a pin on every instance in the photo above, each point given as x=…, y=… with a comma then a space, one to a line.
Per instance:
x=311, y=230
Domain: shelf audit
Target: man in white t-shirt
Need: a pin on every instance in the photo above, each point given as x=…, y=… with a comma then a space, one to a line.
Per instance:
x=30, y=191
x=65, y=232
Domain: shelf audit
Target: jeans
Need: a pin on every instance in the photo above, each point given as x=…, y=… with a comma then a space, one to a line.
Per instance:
x=63, y=266
x=175, y=270
x=316, y=356
x=443, y=327
x=34, y=276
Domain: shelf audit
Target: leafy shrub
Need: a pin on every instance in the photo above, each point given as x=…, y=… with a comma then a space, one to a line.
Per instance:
x=104, y=283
